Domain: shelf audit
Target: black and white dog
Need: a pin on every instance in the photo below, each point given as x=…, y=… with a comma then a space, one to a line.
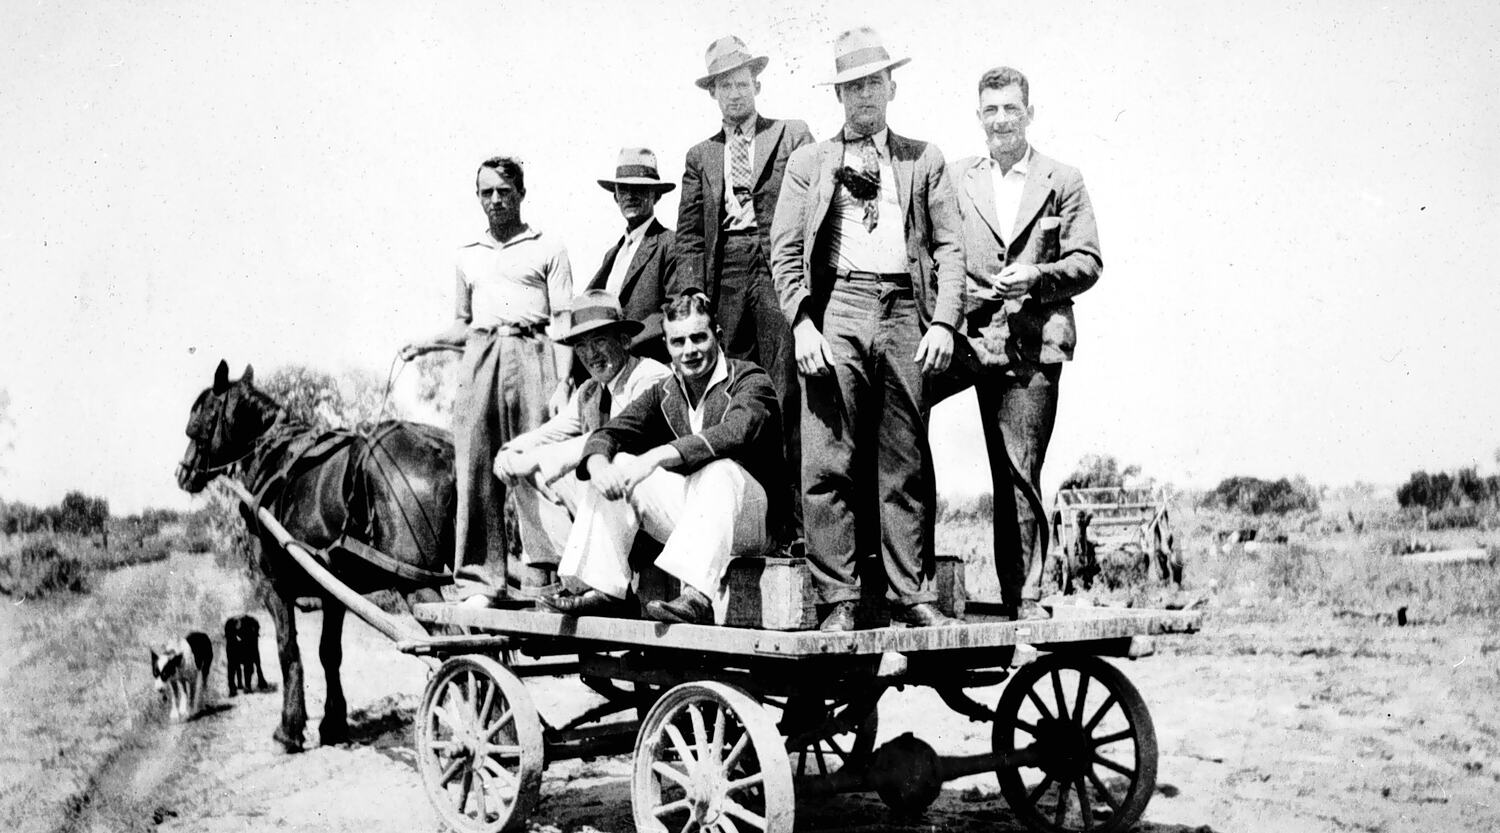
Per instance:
x=242, y=653
x=182, y=670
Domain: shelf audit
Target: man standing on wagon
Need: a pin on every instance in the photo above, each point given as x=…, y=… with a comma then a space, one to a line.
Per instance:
x=513, y=282
x=1030, y=246
x=640, y=267
x=695, y=462
x=868, y=263
x=730, y=182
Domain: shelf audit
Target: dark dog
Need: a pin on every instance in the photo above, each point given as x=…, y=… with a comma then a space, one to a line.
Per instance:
x=242, y=653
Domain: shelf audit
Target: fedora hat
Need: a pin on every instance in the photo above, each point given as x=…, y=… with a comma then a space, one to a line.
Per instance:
x=636, y=166
x=596, y=310
x=728, y=54
x=860, y=52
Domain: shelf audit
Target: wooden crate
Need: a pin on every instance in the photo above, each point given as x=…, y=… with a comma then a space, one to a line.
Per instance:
x=778, y=594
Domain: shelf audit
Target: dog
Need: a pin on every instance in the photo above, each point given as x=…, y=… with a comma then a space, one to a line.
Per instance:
x=186, y=680
x=242, y=653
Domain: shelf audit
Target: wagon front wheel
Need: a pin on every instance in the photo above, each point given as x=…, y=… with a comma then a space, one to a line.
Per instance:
x=709, y=758
x=479, y=746
x=1076, y=745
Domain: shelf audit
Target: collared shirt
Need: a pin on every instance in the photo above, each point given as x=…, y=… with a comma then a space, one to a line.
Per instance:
x=628, y=247
x=524, y=280
x=856, y=248
x=1008, y=188
x=695, y=412
x=559, y=441
x=737, y=216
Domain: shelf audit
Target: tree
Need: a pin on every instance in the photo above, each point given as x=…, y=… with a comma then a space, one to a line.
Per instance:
x=321, y=400
x=1263, y=497
x=1099, y=471
x=81, y=514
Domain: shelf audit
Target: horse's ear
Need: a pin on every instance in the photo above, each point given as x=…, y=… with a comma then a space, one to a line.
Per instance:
x=249, y=376
x=221, y=377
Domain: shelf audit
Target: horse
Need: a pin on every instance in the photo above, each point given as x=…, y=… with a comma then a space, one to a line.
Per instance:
x=378, y=505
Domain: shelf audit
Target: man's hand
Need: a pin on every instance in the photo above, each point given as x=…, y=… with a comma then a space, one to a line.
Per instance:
x=616, y=479
x=1015, y=280
x=514, y=466
x=559, y=397
x=814, y=356
x=413, y=350
x=935, y=351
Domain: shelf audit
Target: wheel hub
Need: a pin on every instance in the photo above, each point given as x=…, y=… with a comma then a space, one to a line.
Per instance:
x=1063, y=747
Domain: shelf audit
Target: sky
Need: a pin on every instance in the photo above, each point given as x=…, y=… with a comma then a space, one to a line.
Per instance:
x=1296, y=203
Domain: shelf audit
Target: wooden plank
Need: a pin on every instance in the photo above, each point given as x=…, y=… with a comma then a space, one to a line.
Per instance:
x=1091, y=625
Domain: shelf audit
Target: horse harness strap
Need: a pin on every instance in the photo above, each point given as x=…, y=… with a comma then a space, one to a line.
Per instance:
x=376, y=558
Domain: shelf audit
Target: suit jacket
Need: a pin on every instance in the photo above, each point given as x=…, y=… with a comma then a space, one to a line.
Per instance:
x=1055, y=231
x=559, y=441
x=645, y=288
x=700, y=211
x=934, y=245
x=741, y=422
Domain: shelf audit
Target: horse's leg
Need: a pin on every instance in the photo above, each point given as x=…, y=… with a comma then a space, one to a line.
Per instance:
x=279, y=604
x=334, y=728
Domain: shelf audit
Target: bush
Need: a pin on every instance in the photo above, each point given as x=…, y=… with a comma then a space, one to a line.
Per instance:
x=41, y=567
x=1097, y=471
x=1263, y=497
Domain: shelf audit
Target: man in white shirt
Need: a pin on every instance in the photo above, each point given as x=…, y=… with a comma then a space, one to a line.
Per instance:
x=1030, y=245
x=538, y=465
x=639, y=268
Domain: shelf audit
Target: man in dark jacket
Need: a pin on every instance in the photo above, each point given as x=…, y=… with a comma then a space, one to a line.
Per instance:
x=640, y=267
x=695, y=462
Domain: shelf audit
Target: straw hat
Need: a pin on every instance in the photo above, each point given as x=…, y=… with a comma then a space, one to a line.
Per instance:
x=596, y=310
x=860, y=52
x=636, y=166
x=728, y=54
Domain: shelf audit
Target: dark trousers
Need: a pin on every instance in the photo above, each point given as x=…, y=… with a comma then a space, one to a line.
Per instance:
x=1018, y=408
x=756, y=330
x=866, y=468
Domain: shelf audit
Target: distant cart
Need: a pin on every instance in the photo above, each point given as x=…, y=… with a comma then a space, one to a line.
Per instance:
x=727, y=725
x=1088, y=524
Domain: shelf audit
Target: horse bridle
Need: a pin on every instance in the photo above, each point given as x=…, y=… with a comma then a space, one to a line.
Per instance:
x=221, y=404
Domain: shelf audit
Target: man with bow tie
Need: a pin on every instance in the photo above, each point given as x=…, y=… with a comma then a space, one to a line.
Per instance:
x=868, y=263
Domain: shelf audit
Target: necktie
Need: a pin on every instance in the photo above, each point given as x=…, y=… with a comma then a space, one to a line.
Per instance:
x=739, y=164
x=870, y=161
x=604, y=402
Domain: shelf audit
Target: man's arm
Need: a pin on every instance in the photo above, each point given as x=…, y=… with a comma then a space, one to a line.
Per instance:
x=946, y=228
x=752, y=399
x=788, y=232
x=631, y=430
x=455, y=334
x=1079, y=261
x=559, y=302
x=689, y=273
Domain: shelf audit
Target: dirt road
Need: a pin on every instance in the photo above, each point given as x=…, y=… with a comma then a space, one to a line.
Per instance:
x=1313, y=724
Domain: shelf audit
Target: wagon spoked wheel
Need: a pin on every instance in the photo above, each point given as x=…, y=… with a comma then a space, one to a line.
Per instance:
x=1076, y=745
x=709, y=758
x=824, y=736
x=479, y=746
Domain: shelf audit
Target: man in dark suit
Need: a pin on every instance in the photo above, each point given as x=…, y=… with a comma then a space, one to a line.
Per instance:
x=730, y=182
x=1030, y=245
x=694, y=462
x=868, y=264
x=640, y=267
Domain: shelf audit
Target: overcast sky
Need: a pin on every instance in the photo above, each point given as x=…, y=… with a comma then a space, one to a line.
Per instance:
x=1298, y=203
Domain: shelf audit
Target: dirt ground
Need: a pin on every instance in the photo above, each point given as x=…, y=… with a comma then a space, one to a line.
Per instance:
x=1308, y=723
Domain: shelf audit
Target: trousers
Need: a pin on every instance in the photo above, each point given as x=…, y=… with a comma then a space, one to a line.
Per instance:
x=544, y=515
x=866, y=467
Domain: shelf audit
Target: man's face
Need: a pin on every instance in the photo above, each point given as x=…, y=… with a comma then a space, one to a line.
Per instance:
x=637, y=203
x=865, y=101
x=499, y=198
x=735, y=91
x=693, y=346
x=1004, y=116
x=602, y=354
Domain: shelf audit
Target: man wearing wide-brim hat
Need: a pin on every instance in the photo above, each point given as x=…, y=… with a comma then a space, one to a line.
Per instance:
x=730, y=183
x=867, y=258
x=539, y=464
x=640, y=266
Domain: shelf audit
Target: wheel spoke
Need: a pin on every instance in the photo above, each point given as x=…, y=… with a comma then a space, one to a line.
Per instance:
x=1117, y=736
x=481, y=805
x=738, y=810
x=451, y=772
x=1083, y=804
x=1040, y=706
x=739, y=749
x=1103, y=791
x=441, y=715
x=502, y=750
x=505, y=720
x=1057, y=691
x=833, y=746
x=1041, y=790
x=720, y=724
x=700, y=731
x=671, y=807
x=671, y=773
x=465, y=785
x=1060, y=811
x=1104, y=708
x=500, y=773
x=444, y=748
x=747, y=781
x=489, y=703
x=1083, y=693
x=473, y=689
x=684, y=752
x=801, y=763
x=1107, y=763
x=1028, y=728
x=822, y=762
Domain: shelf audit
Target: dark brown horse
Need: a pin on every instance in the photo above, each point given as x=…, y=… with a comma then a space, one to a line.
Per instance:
x=391, y=488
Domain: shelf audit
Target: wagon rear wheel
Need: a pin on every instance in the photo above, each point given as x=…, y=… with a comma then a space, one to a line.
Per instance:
x=709, y=758
x=1078, y=744
x=824, y=736
x=479, y=746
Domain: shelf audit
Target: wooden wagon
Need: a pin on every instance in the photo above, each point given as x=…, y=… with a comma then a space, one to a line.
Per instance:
x=1088, y=524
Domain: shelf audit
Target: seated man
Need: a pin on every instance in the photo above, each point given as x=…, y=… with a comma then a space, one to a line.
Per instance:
x=538, y=465
x=695, y=462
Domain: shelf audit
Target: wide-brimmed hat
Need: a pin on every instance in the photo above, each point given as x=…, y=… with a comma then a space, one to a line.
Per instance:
x=637, y=166
x=728, y=54
x=860, y=52
x=596, y=310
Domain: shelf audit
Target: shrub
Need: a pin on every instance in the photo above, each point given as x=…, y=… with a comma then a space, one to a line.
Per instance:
x=41, y=567
x=1263, y=497
x=1095, y=471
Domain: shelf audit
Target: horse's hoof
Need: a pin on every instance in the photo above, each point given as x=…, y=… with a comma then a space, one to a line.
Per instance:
x=289, y=744
x=333, y=735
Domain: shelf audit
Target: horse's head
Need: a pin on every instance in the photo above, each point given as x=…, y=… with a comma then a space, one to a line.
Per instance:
x=223, y=426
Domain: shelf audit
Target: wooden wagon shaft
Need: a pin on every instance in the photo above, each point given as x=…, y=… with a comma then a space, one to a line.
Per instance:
x=392, y=628
x=1092, y=624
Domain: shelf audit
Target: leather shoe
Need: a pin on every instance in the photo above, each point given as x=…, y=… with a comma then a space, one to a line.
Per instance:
x=840, y=617
x=690, y=608
x=922, y=615
x=1032, y=609
x=587, y=603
